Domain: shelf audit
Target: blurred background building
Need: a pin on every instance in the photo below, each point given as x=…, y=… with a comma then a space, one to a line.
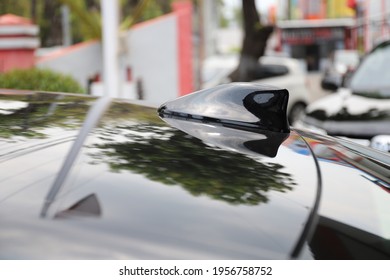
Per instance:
x=312, y=30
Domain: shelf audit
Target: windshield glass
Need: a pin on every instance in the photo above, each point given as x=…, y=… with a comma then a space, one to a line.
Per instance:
x=372, y=78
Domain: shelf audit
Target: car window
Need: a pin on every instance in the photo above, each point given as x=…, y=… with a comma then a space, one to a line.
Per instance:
x=264, y=71
x=373, y=77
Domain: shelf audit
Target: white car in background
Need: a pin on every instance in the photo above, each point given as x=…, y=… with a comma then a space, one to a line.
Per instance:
x=279, y=71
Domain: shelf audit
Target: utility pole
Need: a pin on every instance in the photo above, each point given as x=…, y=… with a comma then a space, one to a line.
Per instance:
x=110, y=40
x=66, y=32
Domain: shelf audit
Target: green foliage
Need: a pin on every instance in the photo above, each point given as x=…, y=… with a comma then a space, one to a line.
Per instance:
x=238, y=16
x=152, y=10
x=39, y=80
x=235, y=50
x=174, y=158
x=88, y=20
x=223, y=21
x=41, y=111
x=18, y=7
x=132, y=14
x=34, y=10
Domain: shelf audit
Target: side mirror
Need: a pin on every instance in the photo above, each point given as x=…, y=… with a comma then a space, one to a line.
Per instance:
x=347, y=77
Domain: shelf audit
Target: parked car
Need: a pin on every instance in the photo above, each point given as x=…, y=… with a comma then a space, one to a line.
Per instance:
x=217, y=174
x=342, y=63
x=361, y=110
x=280, y=71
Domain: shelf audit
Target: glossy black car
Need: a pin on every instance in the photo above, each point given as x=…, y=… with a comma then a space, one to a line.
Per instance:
x=217, y=174
x=362, y=109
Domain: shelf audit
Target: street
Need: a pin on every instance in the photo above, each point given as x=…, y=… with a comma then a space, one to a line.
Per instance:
x=314, y=85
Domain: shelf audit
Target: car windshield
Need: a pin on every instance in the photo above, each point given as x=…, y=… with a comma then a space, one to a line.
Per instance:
x=372, y=78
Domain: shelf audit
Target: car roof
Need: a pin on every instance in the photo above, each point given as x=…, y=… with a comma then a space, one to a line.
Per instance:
x=141, y=188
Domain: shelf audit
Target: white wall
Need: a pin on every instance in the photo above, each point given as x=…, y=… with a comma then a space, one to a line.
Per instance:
x=210, y=26
x=80, y=61
x=152, y=55
x=153, y=58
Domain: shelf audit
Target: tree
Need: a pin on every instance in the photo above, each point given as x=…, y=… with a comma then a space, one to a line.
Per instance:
x=17, y=7
x=254, y=43
x=132, y=11
x=43, y=110
x=88, y=18
x=50, y=24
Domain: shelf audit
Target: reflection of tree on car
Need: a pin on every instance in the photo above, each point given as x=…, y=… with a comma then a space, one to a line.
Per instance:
x=41, y=111
x=236, y=179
